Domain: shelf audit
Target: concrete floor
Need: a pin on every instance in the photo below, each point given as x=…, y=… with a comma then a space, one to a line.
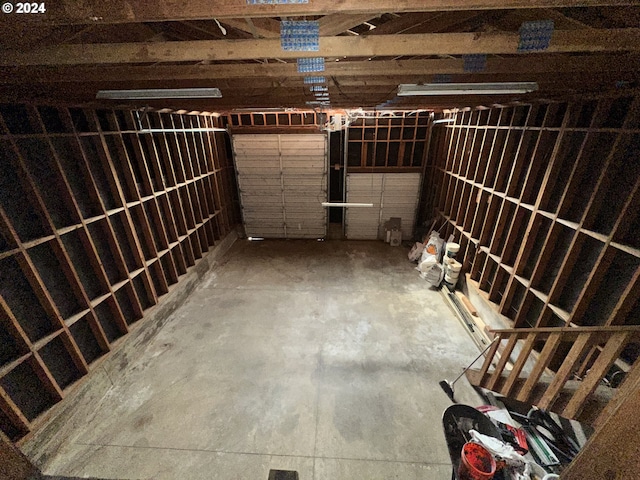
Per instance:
x=320, y=357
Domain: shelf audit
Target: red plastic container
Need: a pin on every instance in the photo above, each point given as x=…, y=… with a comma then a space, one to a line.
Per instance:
x=476, y=463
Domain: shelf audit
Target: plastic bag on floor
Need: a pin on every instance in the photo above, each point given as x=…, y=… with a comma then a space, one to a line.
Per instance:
x=433, y=249
x=433, y=275
x=416, y=252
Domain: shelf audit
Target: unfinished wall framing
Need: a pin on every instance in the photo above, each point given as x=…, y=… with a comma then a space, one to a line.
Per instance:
x=97, y=222
x=545, y=202
x=395, y=142
x=309, y=119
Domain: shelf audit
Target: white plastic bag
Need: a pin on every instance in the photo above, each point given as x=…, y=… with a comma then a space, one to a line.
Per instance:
x=416, y=252
x=433, y=248
x=518, y=466
x=433, y=275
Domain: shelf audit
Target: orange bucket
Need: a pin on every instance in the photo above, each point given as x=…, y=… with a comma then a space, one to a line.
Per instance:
x=476, y=463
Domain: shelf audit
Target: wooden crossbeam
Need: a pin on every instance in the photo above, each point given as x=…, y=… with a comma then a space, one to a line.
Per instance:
x=122, y=11
x=626, y=39
x=260, y=28
x=517, y=65
x=269, y=28
x=294, y=92
x=341, y=22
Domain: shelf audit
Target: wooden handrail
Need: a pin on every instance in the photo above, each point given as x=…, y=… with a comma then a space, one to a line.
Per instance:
x=609, y=329
x=583, y=355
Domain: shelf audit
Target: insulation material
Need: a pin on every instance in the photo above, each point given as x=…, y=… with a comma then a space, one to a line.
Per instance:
x=392, y=195
x=282, y=181
x=300, y=36
x=312, y=80
x=309, y=65
x=535, y=35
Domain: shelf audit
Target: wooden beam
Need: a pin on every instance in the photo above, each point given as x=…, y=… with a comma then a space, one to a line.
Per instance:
x=524, y=65
x=260, y=27
x=427, y=22
x=337, y=23
x=601, y=366
x=14, y=465
x=123, y=11
x=612, y=451
x=404, y=23
x=627, y=39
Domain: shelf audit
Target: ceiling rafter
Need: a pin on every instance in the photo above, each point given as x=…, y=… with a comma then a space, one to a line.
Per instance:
x=123, y=11
x=330, y=25
x=522, y=64
x=297, y=94
x=337, y=23
x=587, y=40
x=213, y=30
x=404, y=22
x=259, y=27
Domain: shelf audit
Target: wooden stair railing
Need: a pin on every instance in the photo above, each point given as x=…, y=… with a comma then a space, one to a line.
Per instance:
x=593, y=351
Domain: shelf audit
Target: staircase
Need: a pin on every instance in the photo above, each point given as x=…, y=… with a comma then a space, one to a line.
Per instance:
x=514, y=369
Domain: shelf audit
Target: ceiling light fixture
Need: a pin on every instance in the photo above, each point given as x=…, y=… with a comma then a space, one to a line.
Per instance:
x=159, y=93
x=408, y=90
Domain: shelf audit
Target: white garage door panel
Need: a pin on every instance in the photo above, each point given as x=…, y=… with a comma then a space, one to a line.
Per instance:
x=392, y=195
x=282, y=181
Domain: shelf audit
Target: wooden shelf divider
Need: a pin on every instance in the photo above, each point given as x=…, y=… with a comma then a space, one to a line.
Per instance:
x=543, y=198
x=97, y=222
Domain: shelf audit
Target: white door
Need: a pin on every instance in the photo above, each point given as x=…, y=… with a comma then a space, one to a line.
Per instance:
x=282, y=181
x=392, y=195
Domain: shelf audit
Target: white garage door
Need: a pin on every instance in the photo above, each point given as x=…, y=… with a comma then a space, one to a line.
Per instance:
x=392, y=195
x=282, y=181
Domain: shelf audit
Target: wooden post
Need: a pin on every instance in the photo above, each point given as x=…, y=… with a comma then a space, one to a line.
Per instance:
x=13, y=464
x=612, y=451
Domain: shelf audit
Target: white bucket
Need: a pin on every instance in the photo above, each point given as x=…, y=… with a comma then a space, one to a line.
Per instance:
x=452, y=249
x=450, y=281
x=454, y=267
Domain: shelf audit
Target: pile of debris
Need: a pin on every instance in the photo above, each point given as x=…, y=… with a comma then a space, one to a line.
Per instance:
x=436, y=260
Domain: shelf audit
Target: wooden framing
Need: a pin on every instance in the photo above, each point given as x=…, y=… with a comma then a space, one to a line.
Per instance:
x=586, y=40
x=526, y=387
x=111, y=11
x=542, y=198
x=553, y=164
x=396, y=142
x=97, y=221
x=346, y=69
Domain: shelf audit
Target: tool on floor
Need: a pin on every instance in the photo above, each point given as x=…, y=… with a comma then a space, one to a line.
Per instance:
x=447, y=386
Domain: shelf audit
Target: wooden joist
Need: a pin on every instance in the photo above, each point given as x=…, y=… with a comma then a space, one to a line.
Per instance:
x=120, y=11
x=588, y=40
x=383, y=68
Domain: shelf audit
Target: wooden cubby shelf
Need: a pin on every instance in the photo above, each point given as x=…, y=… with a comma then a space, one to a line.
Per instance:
x=97, y=222
x=544, y=200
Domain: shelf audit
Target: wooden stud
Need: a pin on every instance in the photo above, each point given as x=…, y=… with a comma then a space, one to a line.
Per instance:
x=603, y=363
x=523, y=356
x=565, y=371
x=504, y=358
x=11, y=410
x=130, y=229
x=105, y=163
x=549, y=349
